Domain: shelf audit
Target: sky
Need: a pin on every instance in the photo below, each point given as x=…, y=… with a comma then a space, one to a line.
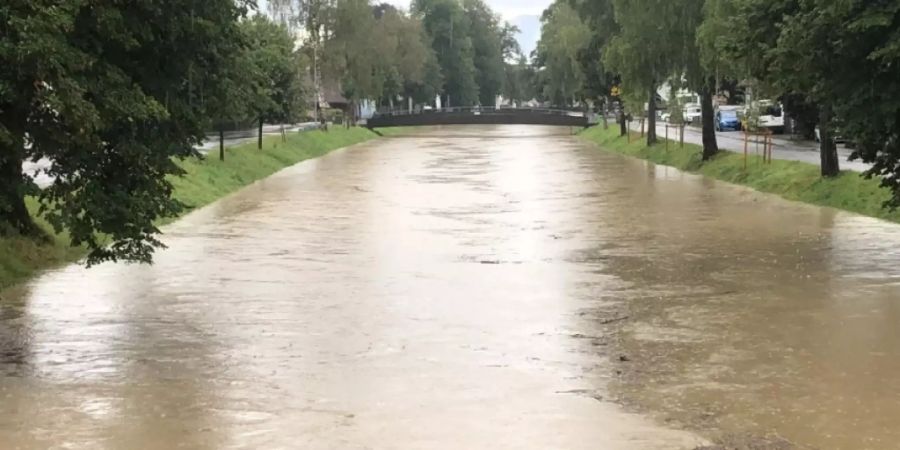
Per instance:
x=523, y=13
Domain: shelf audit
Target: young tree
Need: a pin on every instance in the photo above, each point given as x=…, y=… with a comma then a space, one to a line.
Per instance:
x=274, y=71
x=645, y=49
x=112, y=94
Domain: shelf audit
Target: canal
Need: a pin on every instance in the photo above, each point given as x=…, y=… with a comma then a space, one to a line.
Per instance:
x=470, y=287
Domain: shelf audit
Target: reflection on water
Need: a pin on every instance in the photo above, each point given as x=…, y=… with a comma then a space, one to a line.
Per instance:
x=475, y=287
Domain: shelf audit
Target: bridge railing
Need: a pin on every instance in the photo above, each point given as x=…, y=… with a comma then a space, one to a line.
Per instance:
x=477, y=110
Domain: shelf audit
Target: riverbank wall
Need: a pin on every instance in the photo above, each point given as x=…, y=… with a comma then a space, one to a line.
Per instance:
x=207, y=179
x=791, y=180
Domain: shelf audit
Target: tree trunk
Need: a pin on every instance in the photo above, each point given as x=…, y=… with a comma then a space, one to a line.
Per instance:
x=710, y=145
x=603, y=111
x=14, y=215
x=221, y=144
x=827, y=148
x=623, y=124
x=259, y=136
x=651, y=116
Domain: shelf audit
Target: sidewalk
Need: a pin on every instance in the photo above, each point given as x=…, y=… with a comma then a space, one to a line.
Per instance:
x=38, y=170
x=786, y=149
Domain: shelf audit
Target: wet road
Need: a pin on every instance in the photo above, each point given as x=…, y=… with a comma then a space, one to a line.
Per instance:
x=476, y=287
x=785, y=148
x=38, y=169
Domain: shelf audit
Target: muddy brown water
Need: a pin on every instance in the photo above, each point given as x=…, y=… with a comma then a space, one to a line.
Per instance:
x=475, y=287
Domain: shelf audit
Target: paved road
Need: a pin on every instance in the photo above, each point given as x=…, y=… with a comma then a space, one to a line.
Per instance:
x=232, y=138
x=786, y=149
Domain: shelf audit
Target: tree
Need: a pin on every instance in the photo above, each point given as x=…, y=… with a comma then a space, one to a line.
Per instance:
x=316, y=19
x=519, y=84
x=113, y=95
x=274, y=72
x=230, y=94
x=861, y=78
x=448, y=27
x=403, y=53
x=353, y=56
x=563, y=39
x=488, y=49
x=788, y=50
x=646, y=49
x=599, y=81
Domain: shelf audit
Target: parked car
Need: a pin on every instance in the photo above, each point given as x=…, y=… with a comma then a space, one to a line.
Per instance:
x=692, y=112
x=771, y=116
x=727, y=120
x=838, y=137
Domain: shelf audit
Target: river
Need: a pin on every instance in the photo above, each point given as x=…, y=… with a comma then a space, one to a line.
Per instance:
x=471, y=287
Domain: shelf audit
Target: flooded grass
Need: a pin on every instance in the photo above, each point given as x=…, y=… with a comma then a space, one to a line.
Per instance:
x=789, y=179
x=207, y=180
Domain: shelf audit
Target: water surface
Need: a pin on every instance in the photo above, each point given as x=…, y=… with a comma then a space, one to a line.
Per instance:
x=472, y=287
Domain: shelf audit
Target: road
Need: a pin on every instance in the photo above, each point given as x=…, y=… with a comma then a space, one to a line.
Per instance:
x=786, y=149
x=470, y=288
x=38, y=170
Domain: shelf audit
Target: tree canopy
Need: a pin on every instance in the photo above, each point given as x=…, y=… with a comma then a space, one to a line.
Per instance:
x=110, y=93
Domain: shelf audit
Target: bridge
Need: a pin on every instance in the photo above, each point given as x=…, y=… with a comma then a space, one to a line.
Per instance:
x=479, y=116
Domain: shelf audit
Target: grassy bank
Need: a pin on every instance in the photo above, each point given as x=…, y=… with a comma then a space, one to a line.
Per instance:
x=206, y=180
x=789, y=179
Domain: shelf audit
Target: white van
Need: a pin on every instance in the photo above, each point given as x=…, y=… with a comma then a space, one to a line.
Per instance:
x=692, y=112
x=771, y=116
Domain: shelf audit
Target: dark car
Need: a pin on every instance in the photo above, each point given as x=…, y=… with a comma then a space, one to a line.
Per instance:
x=728, y=121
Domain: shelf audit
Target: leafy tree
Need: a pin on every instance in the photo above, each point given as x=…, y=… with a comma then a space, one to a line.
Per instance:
x=316, y=19
x=693, y=65
x=403, y=53
x=112, y=94
x=519, y=84
x=448, y=26
x=229, y=95
x=784, y=47
x=646, y=49
x=563, y=39
x=860, y=79
x=599, y=81
x=353, y=53
x=488, y=47
x=274, y=72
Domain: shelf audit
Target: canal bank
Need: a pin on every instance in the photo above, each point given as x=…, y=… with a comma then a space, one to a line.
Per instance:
x=205, y=181
x=791, y=180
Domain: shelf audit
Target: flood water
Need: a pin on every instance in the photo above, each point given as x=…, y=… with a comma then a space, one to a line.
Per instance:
x=472, y=287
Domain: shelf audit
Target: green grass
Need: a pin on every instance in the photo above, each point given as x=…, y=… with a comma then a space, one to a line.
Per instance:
x=206, y=180
x=789, y=179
